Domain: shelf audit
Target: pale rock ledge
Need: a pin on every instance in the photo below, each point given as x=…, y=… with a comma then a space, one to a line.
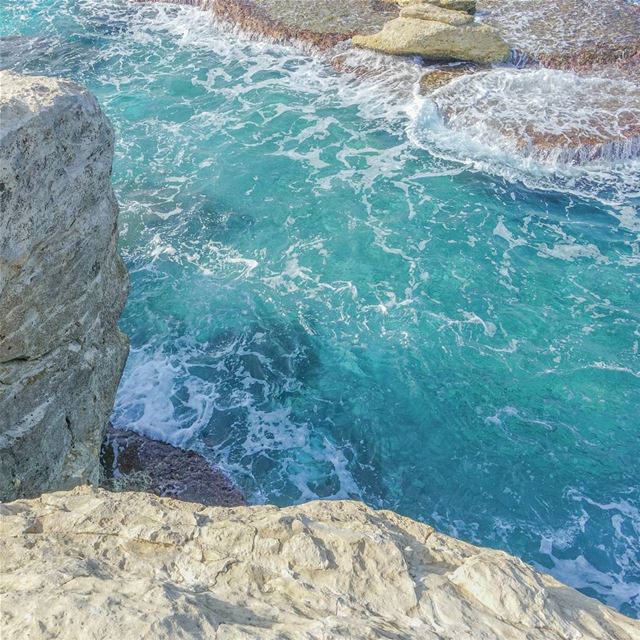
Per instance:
x=93, y=564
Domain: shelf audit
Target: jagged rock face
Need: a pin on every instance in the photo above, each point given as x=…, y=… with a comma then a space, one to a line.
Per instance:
x=62, y=285
x=94, y=564
x=437, y=40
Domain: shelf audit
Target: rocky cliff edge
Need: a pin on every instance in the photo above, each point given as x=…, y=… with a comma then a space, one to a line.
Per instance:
x=94, y=564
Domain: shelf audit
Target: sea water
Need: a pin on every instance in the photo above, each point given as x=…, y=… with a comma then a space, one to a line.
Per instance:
x=332, y=296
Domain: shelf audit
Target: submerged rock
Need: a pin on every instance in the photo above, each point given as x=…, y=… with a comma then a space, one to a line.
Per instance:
x=571, y=34
x=94, y=564
x=62, y=285
x=440, y=76
x=548, y=115
x=134, y=462
x=437, y=41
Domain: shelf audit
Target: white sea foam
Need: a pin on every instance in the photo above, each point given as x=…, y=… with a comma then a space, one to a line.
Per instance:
x=172, y=392
x=547, y=129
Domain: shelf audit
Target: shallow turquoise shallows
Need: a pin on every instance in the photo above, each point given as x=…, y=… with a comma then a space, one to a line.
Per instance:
x=328, y=309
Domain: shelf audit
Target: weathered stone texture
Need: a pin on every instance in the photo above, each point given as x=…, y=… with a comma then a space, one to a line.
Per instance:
x=94, y=564
x=62, y=285
x=134, y=462
x=437, y=41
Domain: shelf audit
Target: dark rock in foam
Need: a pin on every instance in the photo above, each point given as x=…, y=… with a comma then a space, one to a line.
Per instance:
x=134, y=462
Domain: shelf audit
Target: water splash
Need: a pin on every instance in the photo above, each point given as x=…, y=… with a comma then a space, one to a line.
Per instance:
x=549, y=129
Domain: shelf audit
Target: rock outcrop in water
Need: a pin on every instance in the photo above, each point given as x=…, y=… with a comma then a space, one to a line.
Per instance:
x=62, y=285
x=437, y=30
x=134, y=462
x=94, y=564
x=321, y=24
x=435, y=40
x=556, y=118
x=571, y=34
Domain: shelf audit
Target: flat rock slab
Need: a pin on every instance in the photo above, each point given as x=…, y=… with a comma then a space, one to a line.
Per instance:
x=322, y=24
x=569, y=33
x=546, y=114
x=95, y=564
x=133, y=461
x=327, y=16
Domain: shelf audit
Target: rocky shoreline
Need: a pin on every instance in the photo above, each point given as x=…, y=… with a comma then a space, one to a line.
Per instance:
x=474, y=36
x=85, y=562
x=321, y=25
x=95, y=564
x=569, y=35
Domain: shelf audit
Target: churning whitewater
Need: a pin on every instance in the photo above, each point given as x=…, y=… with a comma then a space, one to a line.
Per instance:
x=342, y=288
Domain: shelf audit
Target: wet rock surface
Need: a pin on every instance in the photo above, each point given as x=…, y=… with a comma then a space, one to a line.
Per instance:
x=440, y=76
x=134, y=462
x=62, y=285
x=570, y=34
x=95, y=564
x=322, y=24
x=550, y=115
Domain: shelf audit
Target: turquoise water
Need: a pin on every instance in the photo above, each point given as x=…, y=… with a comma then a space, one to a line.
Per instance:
x=328, y=306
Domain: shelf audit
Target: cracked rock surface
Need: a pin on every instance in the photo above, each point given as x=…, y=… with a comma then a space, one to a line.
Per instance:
x=62, y=285
x=93, y=564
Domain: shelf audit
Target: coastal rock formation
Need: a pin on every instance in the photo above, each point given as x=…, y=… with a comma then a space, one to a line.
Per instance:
x=62, y=285
x=426, y=11
x=571, y=34
x=454, y=5
x=94, y=564
x=549, y=115
x=437, y=30
x=131, y=461
x=322, y=24
x=437, y=40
